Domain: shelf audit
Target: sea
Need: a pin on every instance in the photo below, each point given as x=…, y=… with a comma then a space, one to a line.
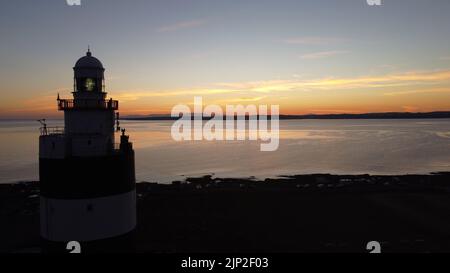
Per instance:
x=352, y=146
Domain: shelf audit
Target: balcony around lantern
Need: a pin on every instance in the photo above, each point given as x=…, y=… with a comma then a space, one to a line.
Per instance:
x=71, y=104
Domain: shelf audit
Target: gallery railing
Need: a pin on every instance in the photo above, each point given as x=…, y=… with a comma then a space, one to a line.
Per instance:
x=88, y=104
x=46, y=131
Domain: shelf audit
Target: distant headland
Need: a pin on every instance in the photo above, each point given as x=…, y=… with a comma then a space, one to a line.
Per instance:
x=386, y=115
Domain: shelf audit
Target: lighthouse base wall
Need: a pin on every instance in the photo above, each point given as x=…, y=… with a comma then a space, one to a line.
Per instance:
x=88, y=219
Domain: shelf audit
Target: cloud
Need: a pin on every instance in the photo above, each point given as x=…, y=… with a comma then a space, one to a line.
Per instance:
x=413, y=82
x=322, y=54
x=180, y=25
x=313, y=40
x=388, y=84
x=445, y=58
x=136, y=94
x=410, y=108
x=332, y=111
x=380, y=81
x=242, y=100
x=419, y=91
x=248, y=90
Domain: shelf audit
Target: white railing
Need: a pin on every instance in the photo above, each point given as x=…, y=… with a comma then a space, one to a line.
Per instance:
x=46, y=131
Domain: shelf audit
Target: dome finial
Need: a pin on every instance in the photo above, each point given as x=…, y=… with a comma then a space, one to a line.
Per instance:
x=88, y=53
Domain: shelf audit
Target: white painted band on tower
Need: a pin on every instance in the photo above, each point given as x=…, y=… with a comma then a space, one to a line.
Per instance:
x=64, y=220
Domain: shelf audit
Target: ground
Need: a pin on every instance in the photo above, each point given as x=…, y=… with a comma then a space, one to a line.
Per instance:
x=305, y=213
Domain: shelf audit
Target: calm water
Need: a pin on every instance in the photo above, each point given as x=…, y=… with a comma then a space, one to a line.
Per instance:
x=306, y=146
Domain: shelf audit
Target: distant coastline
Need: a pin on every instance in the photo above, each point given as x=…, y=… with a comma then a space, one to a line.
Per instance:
x=384, y=115
x=387, y=115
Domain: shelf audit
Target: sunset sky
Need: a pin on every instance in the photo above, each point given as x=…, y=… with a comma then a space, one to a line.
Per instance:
x=321, y=56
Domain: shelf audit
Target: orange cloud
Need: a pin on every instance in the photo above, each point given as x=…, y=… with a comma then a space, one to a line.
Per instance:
x=419, y=91
x=391, y=80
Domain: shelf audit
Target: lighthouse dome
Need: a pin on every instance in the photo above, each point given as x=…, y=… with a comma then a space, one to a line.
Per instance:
x=88, y=61
x=89, y=74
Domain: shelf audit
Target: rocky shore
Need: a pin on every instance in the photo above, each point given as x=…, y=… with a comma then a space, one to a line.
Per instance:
x=302, y=213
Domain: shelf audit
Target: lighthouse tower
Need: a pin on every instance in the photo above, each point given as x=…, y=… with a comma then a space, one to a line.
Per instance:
x=87, y=180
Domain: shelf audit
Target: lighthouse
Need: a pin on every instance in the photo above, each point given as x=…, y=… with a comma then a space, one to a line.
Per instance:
x=87, y=178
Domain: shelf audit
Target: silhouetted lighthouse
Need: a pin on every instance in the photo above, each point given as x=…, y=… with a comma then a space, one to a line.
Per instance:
x=87, y=180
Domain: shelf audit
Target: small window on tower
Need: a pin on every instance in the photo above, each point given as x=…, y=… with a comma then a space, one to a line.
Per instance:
x=89, y=142
x=89, y=207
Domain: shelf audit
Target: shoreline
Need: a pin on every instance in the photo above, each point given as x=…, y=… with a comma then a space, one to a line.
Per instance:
x=300, y=213
x=212, y=178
